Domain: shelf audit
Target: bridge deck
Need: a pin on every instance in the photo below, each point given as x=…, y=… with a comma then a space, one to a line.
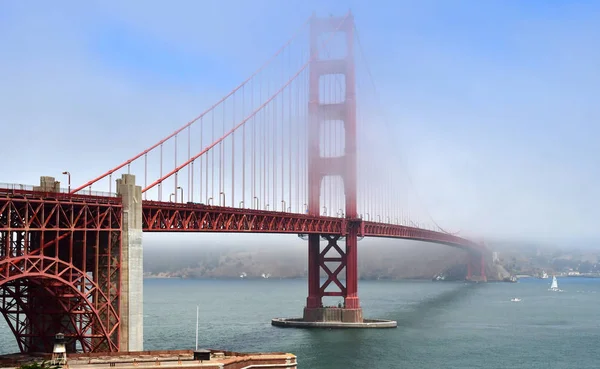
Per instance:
x=160, y=216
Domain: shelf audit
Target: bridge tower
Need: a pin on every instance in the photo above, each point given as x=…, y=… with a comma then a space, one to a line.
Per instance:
x=476, y=261
x=344, y=166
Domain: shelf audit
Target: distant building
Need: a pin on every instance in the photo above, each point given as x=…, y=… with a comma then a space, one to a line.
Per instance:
x=495, y=258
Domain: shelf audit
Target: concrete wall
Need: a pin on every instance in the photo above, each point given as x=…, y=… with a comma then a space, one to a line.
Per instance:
x=48, y=184
x=132, y=293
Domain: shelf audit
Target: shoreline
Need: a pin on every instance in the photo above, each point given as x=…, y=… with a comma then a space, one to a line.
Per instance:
x=423, y=279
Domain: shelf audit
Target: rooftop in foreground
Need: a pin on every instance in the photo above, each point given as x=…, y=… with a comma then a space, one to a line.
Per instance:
x=164, y=359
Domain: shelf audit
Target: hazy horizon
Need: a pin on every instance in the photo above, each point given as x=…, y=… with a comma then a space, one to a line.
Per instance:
x=185, y=240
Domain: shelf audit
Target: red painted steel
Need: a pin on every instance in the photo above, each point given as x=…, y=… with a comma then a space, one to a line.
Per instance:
x=344, y=166
x=341, y=258
x=176, y=217
x=172, y=217
x=476, y=261
x=374, y=229
x=59, y=270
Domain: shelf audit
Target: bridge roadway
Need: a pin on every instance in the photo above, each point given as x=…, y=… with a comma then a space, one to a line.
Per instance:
x=161, y=216
x=194, y=217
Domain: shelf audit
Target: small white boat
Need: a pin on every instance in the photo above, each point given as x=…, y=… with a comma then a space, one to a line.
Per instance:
x=554, y=285
x=515, y=299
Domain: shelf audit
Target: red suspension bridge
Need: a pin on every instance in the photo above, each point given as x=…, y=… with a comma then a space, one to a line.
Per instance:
x=289, y=150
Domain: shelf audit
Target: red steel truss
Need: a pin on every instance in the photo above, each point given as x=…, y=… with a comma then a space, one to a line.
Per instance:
x=332, y=260
x=176, y=217
x=373, y=229
x=60, y=269
x=171, y=217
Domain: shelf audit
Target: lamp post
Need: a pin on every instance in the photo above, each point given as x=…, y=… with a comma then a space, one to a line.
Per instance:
x=68, y=180
x=181, y=189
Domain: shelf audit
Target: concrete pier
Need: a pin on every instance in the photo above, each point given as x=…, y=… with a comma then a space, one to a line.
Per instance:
x=132, y=276
x=333, y=314
x=332, y=317
x=300, y=323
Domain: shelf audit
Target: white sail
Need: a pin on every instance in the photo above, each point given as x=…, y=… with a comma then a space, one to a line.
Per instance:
x=554, y=285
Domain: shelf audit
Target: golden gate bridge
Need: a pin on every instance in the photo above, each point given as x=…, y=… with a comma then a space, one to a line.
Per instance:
x=288, y=151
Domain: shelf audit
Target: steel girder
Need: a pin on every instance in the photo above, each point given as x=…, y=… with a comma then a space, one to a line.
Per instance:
x=332, y=260
x=171, y=217
x=60, y=269
x=373, y=229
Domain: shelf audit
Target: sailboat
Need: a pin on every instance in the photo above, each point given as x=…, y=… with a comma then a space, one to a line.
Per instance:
x=554, y=285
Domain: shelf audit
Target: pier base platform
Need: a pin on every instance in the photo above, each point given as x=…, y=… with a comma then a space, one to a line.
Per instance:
x=332, y=317
x=301, y=323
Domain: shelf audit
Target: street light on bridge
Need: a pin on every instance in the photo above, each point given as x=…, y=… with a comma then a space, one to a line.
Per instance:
x=68, y=180
x=181, y=189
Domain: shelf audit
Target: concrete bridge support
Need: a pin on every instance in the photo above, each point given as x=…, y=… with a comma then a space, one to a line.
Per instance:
x=132, y=293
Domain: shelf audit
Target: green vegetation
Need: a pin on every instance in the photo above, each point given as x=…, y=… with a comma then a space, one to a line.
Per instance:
x=38, y=365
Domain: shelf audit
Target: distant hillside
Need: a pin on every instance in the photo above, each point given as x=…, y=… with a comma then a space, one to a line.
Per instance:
x=393, y=260
x=532, y=259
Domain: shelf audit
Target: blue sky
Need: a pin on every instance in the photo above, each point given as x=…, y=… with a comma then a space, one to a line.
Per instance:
x=493, y=105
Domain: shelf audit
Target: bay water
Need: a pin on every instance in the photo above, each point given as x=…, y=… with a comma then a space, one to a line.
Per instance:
x=440, y=324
